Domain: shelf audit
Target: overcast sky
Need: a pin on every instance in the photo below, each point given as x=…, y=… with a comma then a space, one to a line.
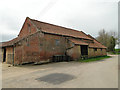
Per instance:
x=90, y=16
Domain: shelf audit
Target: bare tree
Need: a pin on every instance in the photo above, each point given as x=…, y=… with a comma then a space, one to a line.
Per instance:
x=108, y=39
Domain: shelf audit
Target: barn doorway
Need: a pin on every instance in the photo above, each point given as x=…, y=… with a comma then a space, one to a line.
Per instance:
x=4, y=55
x=84, y=50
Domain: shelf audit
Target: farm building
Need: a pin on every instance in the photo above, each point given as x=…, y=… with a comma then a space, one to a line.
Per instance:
x=43, y=42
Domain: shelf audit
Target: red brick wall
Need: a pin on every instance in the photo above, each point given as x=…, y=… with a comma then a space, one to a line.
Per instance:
x=18, y=55
x=52, y=47
x=39, y=47
x=25, y=30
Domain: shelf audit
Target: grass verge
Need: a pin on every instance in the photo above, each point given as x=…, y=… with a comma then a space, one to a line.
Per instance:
x=94, y=59
x=115, y=52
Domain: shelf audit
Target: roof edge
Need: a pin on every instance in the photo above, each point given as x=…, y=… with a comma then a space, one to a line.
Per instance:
x=96, y=40
x=61, y=27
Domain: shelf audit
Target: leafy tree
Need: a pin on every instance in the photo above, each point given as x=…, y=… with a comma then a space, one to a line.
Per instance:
x=111, y=44
x=107, y=39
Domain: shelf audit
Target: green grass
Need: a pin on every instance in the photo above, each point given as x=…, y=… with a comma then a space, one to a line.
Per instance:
x=94, y=59
x=117, y=51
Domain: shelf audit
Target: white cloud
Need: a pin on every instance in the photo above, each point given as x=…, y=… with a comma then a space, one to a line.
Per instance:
x=87, y=15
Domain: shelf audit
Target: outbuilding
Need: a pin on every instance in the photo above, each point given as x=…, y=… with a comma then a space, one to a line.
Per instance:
x=39, y=42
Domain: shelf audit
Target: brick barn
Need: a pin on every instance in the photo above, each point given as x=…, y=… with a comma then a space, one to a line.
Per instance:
x=42, y=42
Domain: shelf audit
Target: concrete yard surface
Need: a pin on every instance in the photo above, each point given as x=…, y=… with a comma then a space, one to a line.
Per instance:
x=97, y=74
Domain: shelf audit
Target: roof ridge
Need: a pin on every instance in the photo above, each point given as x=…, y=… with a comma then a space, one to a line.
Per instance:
x=60, y=27
x=54, y=25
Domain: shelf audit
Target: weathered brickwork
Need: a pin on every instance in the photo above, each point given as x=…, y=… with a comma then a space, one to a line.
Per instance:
x=18, y=55
x=99, y=52
x=39, y=42
x=27, y=28
x=39, y=47
x=75, y=52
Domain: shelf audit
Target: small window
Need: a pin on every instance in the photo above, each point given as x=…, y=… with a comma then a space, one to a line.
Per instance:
x=27, y=41
x=73, y=44
x=29, y=28
x=57, y=42
x=19, y=43
x=41, y=44
x=95, y=49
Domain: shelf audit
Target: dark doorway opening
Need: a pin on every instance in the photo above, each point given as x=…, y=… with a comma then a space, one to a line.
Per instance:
x=84, y=50
x=4, y=55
